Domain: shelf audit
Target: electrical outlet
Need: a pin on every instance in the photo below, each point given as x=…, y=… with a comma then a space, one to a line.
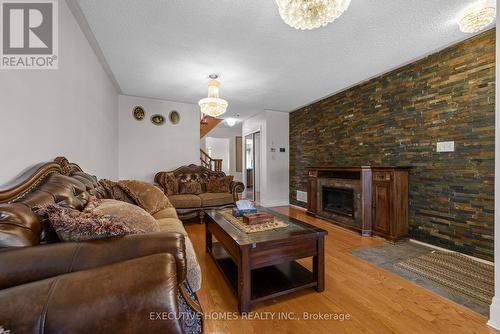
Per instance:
x=445, y=146
x=301, y=196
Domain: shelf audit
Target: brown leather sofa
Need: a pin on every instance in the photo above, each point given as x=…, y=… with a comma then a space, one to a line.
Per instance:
x=192, y=205
x=129, y=284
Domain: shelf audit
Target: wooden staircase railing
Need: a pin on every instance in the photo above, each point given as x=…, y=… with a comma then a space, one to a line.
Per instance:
x=212, y=164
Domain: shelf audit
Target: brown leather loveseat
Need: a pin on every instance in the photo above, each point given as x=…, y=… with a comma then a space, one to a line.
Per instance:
x=129, y=284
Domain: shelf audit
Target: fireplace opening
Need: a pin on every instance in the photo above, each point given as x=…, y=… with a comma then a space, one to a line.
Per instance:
x=338, y=200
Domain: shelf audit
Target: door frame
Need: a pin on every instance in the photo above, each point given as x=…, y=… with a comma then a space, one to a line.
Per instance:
x=245, y=134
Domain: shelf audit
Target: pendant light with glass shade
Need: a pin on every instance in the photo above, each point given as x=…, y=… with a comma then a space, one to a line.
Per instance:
x=213, y=105
x=478, y=16
x=311, y=14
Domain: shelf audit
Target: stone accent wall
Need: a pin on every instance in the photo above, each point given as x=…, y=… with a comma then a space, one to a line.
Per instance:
x=396, y=119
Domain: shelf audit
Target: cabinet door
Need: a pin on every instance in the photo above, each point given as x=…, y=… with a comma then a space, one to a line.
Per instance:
x=382, y=207
x=312, y=205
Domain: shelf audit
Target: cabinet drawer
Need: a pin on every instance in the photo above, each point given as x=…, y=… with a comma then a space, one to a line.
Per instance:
x=382, y=176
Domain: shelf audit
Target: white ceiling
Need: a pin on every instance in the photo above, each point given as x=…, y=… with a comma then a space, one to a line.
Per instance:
x=166, y=48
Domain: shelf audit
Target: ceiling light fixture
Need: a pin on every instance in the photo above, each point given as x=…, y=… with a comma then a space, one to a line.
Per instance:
x=478, y=17
x=231, y=121
x=213, y=105
x=311, y=14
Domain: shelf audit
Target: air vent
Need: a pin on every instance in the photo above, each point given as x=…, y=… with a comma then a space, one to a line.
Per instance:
x=301, y=196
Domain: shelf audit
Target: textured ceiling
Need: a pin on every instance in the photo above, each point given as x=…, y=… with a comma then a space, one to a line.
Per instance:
x=166, y=48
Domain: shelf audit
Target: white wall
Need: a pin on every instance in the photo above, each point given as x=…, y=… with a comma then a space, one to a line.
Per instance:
x=274, y=177
x=495, y=306
x=230, y=133
x=218, y=148
x=71, y=111
x=146, y=148
x=277, y=163
x=257, y=171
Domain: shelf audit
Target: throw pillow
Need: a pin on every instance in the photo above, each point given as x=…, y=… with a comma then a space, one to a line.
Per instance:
x=74, y=225
x=146, y=195
x=168, y=182
x=220, y=184
x=114, y=191
x=190, y=187
x=132, y=215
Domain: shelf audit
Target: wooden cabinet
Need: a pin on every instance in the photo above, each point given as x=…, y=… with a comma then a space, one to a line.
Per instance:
x=390, y=203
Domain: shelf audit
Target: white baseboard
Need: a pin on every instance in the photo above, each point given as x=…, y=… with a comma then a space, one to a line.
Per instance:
x=451, y=251
x=269, y=204
x=495, y=313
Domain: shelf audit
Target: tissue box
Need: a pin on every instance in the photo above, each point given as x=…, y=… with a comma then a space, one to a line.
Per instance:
x=240, y=213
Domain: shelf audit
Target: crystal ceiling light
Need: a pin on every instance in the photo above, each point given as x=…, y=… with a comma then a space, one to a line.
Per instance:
x=311, y=14
x=213, y=105
x=478, y=17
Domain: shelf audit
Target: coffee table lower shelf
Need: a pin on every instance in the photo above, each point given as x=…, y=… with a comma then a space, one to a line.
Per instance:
x=267, y=282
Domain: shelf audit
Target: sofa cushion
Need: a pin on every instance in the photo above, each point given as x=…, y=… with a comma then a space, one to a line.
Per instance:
x=166, y=213
x=185, y=201
x=216, y=199
x=190, y=187
x=220, y=184
x=169, y=183
x=193, y=273
x=171, y=225
x=146, y=195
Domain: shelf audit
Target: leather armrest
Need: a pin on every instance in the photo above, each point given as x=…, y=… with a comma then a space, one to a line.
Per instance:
x=29, y=264
x=236, y=189
x=125, y=297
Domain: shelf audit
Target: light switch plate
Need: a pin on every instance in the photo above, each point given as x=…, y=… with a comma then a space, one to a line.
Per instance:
x=445, y=146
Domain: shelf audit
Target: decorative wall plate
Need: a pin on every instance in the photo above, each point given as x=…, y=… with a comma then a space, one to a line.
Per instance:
x=174, y=117
x=138, y=113
x=157, y=119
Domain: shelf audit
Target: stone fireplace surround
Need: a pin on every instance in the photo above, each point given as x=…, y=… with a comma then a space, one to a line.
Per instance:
x=358, y=179
x=355, y=186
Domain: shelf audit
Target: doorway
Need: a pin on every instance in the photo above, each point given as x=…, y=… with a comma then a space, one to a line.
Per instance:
x=252, y=166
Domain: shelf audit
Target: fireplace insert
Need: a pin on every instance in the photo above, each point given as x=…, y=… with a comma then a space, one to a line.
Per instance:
x=338, y=200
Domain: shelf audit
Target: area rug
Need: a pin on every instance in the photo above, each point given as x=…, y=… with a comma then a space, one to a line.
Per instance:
x=456, y=273
x=389, y=257
x=238, y=223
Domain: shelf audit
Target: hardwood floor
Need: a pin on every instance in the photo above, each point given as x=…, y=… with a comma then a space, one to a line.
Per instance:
x=377, y=301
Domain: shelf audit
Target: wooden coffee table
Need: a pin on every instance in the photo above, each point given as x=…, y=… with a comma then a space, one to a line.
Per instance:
x=261, y=265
